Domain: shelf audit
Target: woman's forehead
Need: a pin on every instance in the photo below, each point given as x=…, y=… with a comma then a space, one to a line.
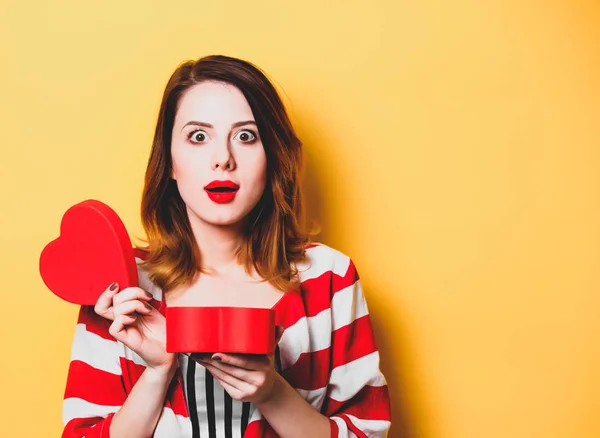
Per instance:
x=217, y=103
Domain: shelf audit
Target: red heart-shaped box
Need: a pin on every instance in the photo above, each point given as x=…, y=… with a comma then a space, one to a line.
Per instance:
x=92, y=251
x=220, y=330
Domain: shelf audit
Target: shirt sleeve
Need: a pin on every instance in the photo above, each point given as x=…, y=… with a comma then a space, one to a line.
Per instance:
x=94, y=389
x=357, y=399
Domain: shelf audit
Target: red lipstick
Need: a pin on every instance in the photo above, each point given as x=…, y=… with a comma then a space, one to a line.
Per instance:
x=221, y=192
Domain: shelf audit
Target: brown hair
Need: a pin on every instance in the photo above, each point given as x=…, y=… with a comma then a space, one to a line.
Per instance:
x=275, y=234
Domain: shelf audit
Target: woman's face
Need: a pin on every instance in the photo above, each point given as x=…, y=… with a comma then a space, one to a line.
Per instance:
x=219, y=162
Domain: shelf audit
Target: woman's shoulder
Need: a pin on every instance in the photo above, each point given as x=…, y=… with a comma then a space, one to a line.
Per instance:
x=321, y=265
x=326, y=265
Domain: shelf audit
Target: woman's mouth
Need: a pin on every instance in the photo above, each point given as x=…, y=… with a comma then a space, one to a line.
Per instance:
x=221, y=192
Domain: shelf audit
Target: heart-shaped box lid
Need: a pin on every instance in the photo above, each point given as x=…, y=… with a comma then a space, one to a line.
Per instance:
x=92, y=251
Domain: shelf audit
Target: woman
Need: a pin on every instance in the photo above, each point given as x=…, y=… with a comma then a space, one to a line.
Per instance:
x=221, y=209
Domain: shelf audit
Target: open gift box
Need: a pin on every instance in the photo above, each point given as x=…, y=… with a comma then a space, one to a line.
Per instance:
x=220, y=329
x=94, y=249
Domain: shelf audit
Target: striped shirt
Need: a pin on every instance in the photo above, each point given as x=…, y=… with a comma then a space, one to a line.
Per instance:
x=327, y=354
x=213, y=413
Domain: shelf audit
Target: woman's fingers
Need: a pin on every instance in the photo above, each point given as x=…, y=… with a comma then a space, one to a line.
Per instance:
x=112, y=297
x=232, y=391
x=238, y=373
x=238, y=384
x=201, y=356
x=253, y=362
x=128, y=319
x=117, y=327
x=130, y=307
x=131, y=293
x=104, y=304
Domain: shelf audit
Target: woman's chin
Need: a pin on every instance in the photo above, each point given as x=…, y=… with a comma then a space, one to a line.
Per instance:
x=228, y=221
x=230, y=216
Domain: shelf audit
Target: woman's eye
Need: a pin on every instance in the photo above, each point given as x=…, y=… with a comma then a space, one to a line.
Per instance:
x=246, y=136
x=197, y=136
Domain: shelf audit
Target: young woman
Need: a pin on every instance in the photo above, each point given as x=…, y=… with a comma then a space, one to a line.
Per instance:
x=222, y=212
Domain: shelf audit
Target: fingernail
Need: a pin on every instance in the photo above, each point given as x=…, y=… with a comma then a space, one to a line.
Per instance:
x=148, y=306
x=148, y=294
x=113, y=286
x=217, y=358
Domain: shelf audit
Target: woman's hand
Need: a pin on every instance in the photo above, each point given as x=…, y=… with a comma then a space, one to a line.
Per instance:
x=245, y=377
x=136, y=324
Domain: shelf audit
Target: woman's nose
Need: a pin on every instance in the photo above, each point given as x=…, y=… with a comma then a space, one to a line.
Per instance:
x=223, y=159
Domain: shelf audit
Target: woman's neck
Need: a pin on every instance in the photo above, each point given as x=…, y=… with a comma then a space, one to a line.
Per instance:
x=218, y=245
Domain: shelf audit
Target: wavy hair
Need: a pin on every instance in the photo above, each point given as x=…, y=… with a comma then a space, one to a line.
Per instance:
x=275, y=235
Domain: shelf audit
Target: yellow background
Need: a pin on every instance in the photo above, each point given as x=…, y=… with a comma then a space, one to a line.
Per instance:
x=452, y=149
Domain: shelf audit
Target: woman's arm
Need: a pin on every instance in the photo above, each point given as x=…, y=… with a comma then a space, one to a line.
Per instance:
x=291, y=416
x=96, y=404
x=138, y=416
x=95, y=395
x=357, y=402
x=94, y=387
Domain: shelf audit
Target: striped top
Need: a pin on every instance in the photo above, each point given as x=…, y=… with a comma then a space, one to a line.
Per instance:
x=327, y=354
x=213, y=413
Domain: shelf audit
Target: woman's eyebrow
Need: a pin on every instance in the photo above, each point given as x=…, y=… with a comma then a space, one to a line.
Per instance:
x=208, y=125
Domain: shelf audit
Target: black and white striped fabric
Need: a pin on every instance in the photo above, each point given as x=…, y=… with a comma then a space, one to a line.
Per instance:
x=213, y=413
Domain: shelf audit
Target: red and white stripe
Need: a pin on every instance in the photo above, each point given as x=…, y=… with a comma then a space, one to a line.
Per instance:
x=328, y=354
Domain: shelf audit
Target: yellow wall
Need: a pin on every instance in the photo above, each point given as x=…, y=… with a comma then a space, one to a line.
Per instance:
x=453, y=148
